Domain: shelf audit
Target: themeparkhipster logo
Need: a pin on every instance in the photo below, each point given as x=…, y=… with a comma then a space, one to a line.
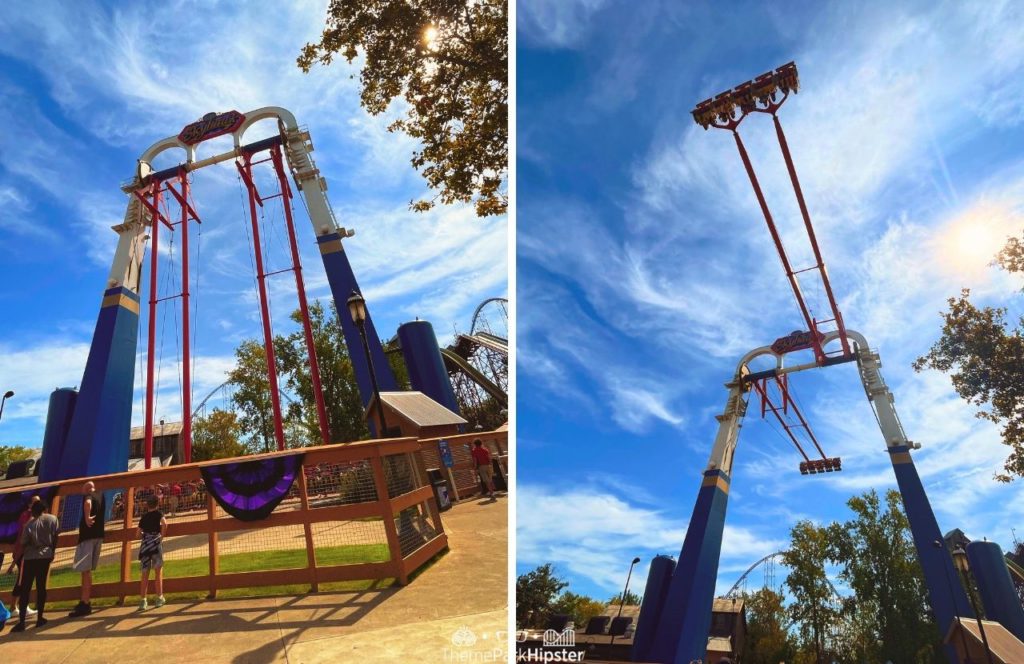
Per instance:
x=558, y=647
x=468, y=646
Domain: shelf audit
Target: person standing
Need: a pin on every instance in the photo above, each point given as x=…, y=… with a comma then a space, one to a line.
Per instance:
x=17, y=555
x=39, y=541
x=152, y=529
x=482, y=459
x=90, y=544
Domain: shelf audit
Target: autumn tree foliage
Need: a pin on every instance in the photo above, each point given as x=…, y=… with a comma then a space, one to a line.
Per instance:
x=447, y=60
x=983, y=353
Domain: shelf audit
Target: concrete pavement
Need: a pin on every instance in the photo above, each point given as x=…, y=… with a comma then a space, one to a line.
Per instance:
x=464, y=594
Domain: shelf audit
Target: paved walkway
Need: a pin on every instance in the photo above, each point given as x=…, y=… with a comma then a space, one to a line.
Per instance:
x=466, y=592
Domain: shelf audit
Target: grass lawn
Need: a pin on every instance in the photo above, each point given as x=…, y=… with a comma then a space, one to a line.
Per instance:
x=233, y=562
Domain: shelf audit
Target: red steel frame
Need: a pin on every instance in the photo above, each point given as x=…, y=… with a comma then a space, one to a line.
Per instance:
x=188, y=212
x=721, y=113
x=300, y=288
x=261, y=277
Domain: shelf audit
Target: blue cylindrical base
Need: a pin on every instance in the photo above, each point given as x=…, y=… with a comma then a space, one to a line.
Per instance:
x=423, y=360
x=998, y=594
x=658, y=580
x=58, y=421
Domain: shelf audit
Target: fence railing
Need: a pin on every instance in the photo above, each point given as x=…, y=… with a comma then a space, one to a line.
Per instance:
x=361, y=511
x=462, y=476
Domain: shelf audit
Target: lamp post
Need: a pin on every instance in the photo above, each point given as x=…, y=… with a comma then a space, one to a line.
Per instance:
x=962, y=566
x=952, y=598
x=7, y=395
x=622, y=599
x=357, y=309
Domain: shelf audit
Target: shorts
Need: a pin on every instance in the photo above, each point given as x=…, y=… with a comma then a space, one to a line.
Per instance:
x=87, y=555
x=485, y=473
x=155, y=561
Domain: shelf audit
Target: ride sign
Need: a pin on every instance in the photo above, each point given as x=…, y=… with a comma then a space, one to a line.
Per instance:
x=446, y=453
x=210, y=126
x=797, y=340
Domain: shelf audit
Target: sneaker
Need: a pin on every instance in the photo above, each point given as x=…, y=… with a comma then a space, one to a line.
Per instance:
x=30, y=611
x=143, y=605
x=14, y=612
x=82, y=609
x=160, y=601
x=41, y=622
x=20, y=627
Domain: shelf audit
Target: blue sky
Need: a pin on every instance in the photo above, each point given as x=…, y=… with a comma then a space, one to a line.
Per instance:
x=86, y=87
x=645, y=270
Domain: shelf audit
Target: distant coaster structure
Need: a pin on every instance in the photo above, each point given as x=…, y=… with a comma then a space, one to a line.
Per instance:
x=87, y=431
x=673, y=628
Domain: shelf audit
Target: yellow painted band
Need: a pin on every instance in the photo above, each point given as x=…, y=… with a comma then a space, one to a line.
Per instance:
x=716, y=481
x=901, y=457
x=330, y=247
x=119, y=299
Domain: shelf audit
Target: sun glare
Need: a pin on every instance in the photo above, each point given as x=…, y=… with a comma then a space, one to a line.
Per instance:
x=430, y=35
x=970, y=242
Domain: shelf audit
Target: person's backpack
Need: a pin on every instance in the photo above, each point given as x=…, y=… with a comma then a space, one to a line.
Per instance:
x=5, y=615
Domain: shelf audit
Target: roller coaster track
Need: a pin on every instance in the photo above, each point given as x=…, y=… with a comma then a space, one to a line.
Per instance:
x=1016, y=571
x=455, y=362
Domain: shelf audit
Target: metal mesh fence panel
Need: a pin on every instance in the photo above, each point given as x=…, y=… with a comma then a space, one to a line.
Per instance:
x=350, y=542
x=414, y=528
x=347, y=483
x=399, y=474
x=279, y=547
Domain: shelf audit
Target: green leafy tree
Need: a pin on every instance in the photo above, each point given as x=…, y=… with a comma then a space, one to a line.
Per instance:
x=983, y=353
x=813, y=609
x=768, y=641
x=337, y=378
x=632, y=599
x=252, y=395
x=11, y=453
x=878, y=561
x=579, y=608
x=448, y=61
x=535, y=594
x=217, y=436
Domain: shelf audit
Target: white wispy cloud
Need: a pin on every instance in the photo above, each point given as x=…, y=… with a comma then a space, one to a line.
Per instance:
x=555, y=23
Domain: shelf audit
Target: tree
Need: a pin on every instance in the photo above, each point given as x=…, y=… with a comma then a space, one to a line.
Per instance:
x=448, y=61
x=813, y=609
x=535, y=593
x=11, y=453
x=632, y=599
x=337, y=378
x=217, y=436
x=767, y=640
x=252, y=395
x=579, y=608
x=888, y=613
x=984, y=356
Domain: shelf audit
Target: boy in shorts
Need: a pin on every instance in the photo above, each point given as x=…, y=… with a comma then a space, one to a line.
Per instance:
x=152, y=529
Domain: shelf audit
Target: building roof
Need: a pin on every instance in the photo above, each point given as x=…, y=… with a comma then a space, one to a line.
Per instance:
x=630, y=610
x=720, y=644
x=418, y=408
x=166, y=429
x=727, y=605
x=1004, y=646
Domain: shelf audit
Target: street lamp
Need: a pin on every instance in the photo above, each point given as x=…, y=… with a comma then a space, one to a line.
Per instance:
x=962, y=566
x=622, y=600
x=357, y=309
x=952, y=599
x=7, y=395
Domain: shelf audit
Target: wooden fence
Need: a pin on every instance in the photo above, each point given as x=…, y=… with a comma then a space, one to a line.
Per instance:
x=462, y=476
x=361, y=511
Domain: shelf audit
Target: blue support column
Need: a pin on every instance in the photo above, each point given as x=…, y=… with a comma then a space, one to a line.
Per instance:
x=423, y=360
x=998, y=594
x=659, y=578
x=97, y=440
x=343, y=282
x=686, y=615
x=945, y=594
